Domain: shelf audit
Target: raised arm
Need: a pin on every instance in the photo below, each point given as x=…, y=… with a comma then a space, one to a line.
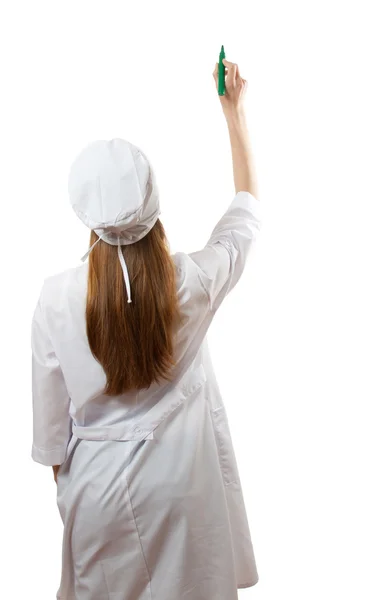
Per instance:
x=244, y=170
x=221, y=262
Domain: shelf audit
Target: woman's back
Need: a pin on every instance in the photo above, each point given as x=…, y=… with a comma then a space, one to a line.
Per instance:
x=203, y=279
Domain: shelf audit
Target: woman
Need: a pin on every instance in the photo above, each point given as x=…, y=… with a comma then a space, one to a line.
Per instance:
x=126, y=407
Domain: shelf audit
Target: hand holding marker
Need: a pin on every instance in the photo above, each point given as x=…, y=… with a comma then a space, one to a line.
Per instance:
x=230, y=85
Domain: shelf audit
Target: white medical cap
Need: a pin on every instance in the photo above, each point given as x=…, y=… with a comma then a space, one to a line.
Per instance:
x=112, y=189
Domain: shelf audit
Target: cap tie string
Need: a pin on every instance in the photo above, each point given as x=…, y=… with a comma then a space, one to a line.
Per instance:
x=93, y=246
x=125, y=270
x=122, y=263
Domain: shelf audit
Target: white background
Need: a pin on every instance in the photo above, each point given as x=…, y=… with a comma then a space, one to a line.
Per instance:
x=296, y=344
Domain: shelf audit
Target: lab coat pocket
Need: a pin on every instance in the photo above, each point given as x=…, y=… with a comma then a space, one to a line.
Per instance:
x=225, y=448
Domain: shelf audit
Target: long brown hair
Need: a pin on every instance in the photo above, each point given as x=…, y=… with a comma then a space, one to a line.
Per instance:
x=132, y=341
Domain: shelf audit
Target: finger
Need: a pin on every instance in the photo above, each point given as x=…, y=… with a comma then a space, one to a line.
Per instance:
x=230, y=64
x=227, y=63
x=232, y=69
x=231, y=76
x=216, y=70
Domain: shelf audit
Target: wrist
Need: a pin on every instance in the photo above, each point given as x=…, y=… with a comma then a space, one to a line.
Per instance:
x=234, y=115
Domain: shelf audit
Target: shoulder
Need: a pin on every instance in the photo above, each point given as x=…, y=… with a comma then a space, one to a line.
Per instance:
x=59, y=284
x=185, y=266
x=189, y=282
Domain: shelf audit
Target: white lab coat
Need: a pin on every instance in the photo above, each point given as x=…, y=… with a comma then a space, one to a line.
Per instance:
x=148, y=488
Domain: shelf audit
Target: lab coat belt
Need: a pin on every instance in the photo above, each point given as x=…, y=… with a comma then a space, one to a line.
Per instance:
x=112, y=432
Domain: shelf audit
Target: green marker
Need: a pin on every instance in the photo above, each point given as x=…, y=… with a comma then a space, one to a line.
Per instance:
x=221, y=74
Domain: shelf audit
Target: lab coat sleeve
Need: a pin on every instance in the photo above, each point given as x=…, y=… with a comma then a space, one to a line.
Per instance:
x=221, y=262
x=51, y=419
